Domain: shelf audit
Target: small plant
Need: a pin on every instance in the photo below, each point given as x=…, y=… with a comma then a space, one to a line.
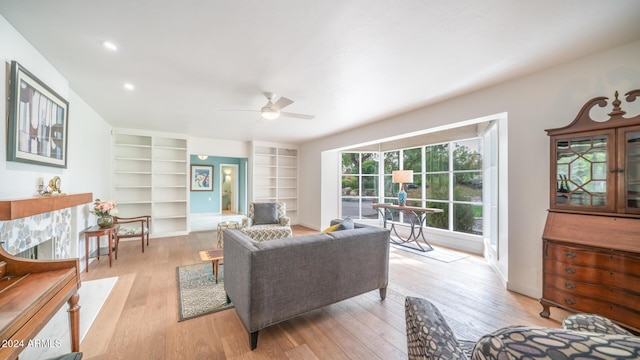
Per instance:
x=104, y=208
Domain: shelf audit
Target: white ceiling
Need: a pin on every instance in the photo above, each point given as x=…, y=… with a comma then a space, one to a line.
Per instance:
x=349, y=62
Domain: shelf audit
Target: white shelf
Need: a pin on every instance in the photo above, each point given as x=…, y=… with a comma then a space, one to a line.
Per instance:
x=150, y=178
x=275, y=175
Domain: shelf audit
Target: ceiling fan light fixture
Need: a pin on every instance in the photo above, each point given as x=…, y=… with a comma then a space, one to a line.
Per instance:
x=269, y=113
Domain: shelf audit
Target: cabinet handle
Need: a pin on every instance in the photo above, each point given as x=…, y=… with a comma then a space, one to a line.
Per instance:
x=569, y=286
x=570, y=270
x=570, y=255
x=569, y=302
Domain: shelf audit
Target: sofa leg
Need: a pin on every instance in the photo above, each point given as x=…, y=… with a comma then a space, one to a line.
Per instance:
x=253, y=340
x=383, y=293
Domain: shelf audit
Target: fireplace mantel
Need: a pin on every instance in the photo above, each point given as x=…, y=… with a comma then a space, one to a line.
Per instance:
x=20, y=208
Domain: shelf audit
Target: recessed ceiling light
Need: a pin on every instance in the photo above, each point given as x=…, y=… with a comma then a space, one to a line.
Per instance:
x=129, y=86
x=109, y=45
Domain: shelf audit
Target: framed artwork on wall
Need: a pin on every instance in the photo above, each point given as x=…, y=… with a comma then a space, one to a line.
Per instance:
x=201, y=178
x=38, y=121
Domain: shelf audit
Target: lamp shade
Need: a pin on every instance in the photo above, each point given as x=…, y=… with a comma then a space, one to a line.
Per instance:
x=402, y=176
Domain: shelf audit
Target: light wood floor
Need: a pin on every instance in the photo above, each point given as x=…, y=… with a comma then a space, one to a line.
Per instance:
x=140, y=317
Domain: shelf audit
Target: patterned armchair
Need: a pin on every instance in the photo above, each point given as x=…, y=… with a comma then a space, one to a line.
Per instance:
x=584, y=336
x=267, y=221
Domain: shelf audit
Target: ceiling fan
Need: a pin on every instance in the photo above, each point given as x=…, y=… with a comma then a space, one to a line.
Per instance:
x=272, y=111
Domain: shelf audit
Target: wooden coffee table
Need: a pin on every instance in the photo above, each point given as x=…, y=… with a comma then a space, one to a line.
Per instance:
x=214, y=256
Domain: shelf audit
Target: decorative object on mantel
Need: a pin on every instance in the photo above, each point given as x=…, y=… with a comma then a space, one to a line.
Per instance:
x=401, y=177
x=38, y=121
x=53, y=189
x=104, y=210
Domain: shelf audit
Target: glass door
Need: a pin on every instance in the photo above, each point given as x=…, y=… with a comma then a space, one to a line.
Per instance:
x=581, y=177
x=629, y=175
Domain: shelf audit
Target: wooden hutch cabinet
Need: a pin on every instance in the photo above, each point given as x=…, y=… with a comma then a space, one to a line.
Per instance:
x=591, y=240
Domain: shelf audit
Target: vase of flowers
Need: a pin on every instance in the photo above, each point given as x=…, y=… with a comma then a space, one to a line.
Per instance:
x=104, y=210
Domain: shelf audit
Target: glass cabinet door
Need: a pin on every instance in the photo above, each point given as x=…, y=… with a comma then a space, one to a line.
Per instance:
x=629, y=175
x=582, y=177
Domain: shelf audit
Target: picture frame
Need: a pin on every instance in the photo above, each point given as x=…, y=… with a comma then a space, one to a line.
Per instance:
x=201, y=178
x=38, y=121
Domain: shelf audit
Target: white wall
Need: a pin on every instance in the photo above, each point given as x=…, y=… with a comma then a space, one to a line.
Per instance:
x=89, y=147
x=219, y=147
x=546, y=99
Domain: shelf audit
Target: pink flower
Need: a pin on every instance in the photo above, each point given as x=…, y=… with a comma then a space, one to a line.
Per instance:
x=104, y=208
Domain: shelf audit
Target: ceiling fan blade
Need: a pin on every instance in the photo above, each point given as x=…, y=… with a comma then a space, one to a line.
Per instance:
x=297, y=116
x=239, y=110
x=281, y=103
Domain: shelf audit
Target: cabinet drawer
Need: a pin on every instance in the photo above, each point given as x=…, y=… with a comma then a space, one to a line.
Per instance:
x=585, y=304
x=609, y=260
x=593, y=275
x=578, y=288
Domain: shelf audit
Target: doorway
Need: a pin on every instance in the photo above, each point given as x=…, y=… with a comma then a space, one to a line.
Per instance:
x=229, y=188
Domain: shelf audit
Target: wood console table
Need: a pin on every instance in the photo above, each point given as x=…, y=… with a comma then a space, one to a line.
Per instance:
x=31, y=292
x=417, y=219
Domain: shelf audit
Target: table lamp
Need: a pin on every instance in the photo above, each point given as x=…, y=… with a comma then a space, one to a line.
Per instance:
x=401, y=177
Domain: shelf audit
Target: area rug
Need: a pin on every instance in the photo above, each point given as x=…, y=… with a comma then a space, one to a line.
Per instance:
x=440, y=254
x=198, y=293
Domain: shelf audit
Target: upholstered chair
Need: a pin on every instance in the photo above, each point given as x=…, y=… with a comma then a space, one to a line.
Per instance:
x=429, y=335
x=529, y=342
x=583, y=336
x=267, y=221
x=134, y=227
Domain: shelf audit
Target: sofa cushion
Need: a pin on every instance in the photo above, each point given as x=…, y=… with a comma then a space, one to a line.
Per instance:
x=346, y=224
x=265, y=213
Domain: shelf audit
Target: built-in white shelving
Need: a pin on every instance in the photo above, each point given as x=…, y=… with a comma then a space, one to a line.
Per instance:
x=275, y=175
x=150, y=178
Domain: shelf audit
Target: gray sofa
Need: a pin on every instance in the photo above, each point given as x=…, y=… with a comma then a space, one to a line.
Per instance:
x=273, y=281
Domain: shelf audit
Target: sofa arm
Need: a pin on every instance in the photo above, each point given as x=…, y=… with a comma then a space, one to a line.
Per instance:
x=523, y=342
x=428, y=334
x=237, y=272
x=284, y=221
x=593, y=323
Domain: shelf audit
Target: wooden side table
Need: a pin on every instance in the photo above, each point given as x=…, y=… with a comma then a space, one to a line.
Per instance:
x=96, y=231
x=214, y=256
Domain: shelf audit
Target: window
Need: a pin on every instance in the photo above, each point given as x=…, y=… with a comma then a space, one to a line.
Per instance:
x=360, y=179
x=467, y=186
x=447, y=176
